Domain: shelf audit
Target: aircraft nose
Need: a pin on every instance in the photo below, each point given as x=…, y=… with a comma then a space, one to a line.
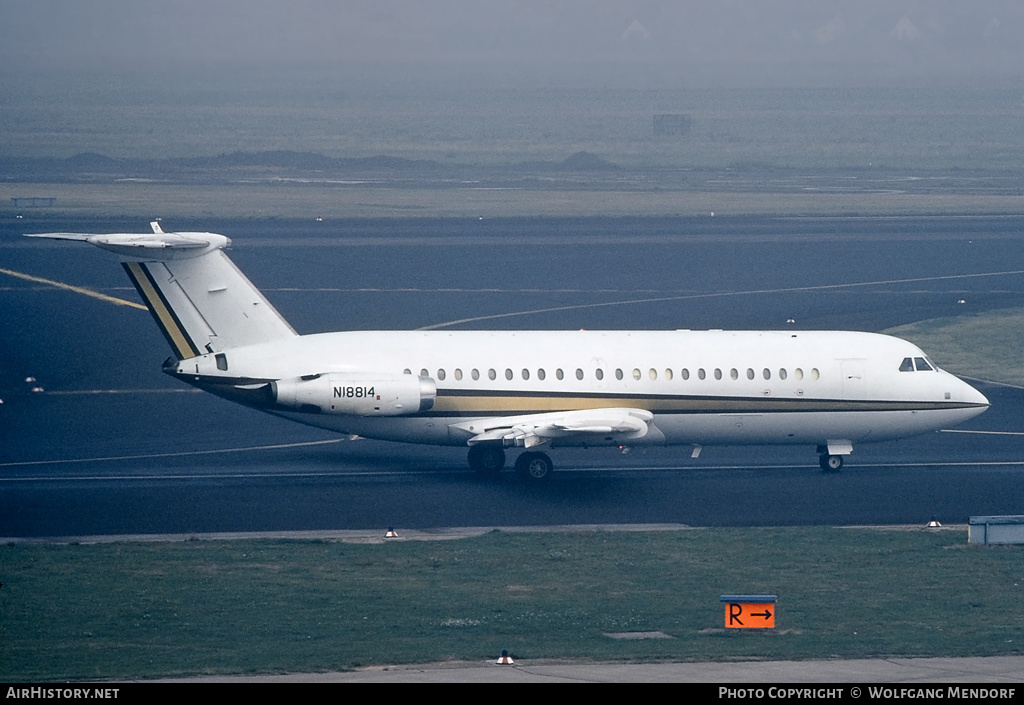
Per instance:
x=970, y=395
x=979, y=398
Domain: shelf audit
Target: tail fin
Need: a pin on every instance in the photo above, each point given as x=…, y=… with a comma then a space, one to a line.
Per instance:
x=199, y=298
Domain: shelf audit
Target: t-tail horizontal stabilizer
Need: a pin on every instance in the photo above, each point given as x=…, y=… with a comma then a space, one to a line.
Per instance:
x=199, y=298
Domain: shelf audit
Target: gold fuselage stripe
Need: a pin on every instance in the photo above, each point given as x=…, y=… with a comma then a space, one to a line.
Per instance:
x=526, y=404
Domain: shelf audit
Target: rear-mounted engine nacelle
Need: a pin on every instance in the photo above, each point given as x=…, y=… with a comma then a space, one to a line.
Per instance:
x=355, y=394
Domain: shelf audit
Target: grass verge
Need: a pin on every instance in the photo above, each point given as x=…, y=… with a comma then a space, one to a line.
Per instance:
x=141, y=610
x=986, y=346
x=331, y=201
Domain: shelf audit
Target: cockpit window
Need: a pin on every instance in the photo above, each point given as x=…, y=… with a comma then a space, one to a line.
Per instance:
x=920, y=363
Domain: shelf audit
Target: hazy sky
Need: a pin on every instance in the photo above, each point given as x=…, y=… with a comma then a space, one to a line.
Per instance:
x=860, y=37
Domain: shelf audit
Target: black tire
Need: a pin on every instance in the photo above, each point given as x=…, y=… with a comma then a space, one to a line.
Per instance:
x=831, y=463
x=486, y=459
x=534, y=467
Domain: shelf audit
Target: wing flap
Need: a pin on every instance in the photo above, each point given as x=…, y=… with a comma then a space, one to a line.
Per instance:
x=530, y=430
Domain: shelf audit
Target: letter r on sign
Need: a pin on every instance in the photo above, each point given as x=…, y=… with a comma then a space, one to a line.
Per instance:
x=735, y=610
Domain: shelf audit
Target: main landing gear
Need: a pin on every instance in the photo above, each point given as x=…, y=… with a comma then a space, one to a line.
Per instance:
x=534, y=467
x=487, y=460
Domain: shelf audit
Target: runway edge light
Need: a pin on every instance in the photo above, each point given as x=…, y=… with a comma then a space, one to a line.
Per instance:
x=505, y=658
x=391, y=533
x=749, y=611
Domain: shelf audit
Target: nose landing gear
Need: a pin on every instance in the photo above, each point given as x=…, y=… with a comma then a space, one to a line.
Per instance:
x=830, y=463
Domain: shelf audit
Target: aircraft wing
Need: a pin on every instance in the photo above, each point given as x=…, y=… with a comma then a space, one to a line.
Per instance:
x=534, y=429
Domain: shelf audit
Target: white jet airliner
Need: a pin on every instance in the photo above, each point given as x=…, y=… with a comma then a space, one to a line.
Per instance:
x=493, y=390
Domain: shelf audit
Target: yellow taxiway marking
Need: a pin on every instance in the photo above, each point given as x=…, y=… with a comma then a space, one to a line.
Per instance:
x=69, y=287
x=178, y=454
x=73, y=392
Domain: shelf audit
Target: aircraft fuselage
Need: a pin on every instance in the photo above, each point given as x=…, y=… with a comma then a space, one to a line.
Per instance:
x=703, y=387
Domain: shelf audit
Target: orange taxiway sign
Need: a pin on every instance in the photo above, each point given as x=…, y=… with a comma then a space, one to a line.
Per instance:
x=749, y=611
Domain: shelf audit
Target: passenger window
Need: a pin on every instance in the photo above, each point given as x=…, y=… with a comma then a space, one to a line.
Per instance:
x=508, y=374
x=475, y=374
x=526, y=373
x=701, y=374
x=782, y=373
x=750, y=373
x=424, y=373
x=668, y=374
x=458, y=373
x=652, y=373
x=636, y=374
x=440, y=374
x=718, y=373
x=559, y=374
x=766, y=373
x=922, y=364
x=618, y=374
x=734, y=373
x=814, y=373
x=685, y=374
x=798, y=373
x=541, y=374
x=491, y=374
x=599, y=373
x=406, y=371
x=907, y=365
x=579, y=373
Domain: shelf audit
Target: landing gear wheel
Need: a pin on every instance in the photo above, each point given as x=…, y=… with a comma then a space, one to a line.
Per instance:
x=831, y=463
x=486, y=459
x=534, y=467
